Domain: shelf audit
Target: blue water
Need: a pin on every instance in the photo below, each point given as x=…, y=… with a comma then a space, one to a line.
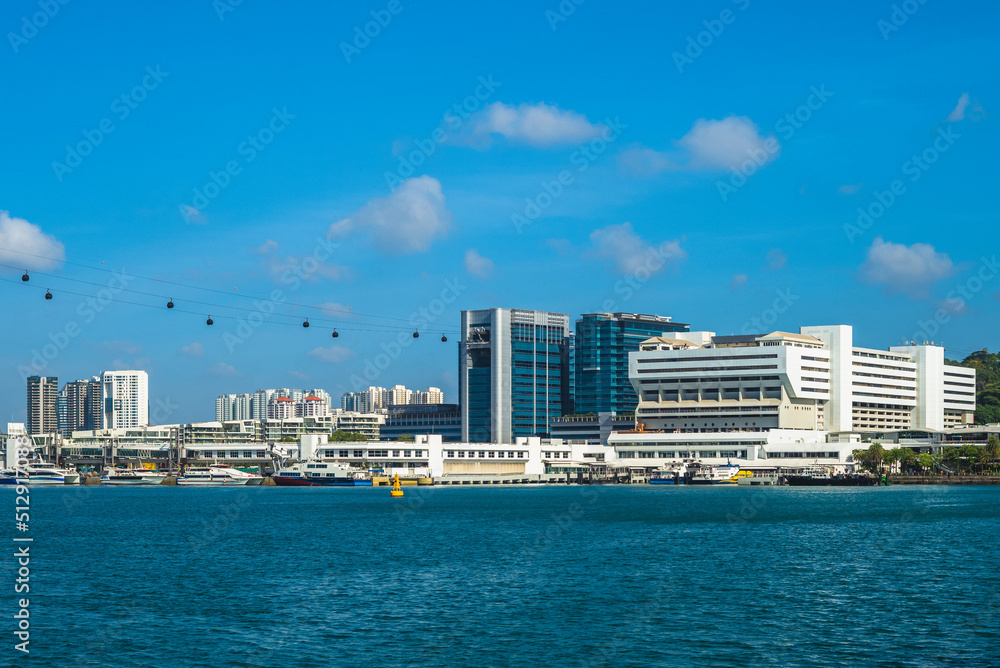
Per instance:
x=568, y=576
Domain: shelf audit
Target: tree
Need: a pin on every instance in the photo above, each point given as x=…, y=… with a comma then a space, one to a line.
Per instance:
x=990, y=453
x=876, y=455
x=341, y=436
x=925, y=461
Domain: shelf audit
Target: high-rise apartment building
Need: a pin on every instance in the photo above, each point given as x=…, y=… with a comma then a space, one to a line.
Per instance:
x=80, y=406
x=602, y=344
x=513, y=373
x=125, y=399
x=43, y=405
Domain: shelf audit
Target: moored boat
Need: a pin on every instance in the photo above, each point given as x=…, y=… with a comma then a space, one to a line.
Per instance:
x=39, y=473
x=822, y=476
x=139, y=476
x=212, y=476
x=318, y=473
x=725, y=474
x=669, y=475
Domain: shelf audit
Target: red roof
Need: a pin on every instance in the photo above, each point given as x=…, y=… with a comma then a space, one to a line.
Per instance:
x=282, y=399
x=312, y=398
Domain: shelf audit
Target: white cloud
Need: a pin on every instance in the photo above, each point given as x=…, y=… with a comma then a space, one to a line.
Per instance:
x=953, y=306
x=850, y=188
x=269, y=246
x=539, y=125
x=407, y=221
x=710, y=145
x=192, y=215
x=18, y=234
x=776, y=259
x=958, y=113
x=334, y=354
x=477, y=264
x=222, y=370
x=630, y=253
x=194, y=349
x=298, y=375
x=738, y=281
x=304, y=267
x=966, y=108
x=909, y=270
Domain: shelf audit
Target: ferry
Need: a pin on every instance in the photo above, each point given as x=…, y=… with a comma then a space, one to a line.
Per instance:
x=140, y=476
x=215, y=476
x=313, y=472
x=672, y=475
x=726, y=474
x=822, y=476
x=39, y=473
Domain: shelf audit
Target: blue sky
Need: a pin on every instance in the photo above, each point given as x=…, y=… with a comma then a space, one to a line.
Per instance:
x=706, y=162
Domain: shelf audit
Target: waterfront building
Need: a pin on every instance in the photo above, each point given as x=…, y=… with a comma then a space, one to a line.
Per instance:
x=590, y=428
x=816, y=379
x=124, y=399
x=436, y=418
x=43, y=405
x=514, y=373
x=602, y=344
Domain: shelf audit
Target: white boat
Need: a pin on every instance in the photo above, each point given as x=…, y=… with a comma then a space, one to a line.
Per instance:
x=716, y=475
x=314, y=472
x=139, y=476
x=251, y=478
x=40, y=473
x=204, y=476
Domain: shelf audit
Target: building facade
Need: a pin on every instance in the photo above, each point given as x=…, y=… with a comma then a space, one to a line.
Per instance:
x=603, y=343
x=124, y=399
x=436, y=418
x=514, y=373
x=817, y=379
x=43, y=405
x=80, y=406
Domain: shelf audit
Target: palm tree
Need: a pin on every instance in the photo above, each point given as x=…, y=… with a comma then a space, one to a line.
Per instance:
x=991, y=452
x=876, y=455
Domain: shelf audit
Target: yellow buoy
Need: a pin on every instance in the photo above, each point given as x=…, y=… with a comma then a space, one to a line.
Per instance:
x=397, y=489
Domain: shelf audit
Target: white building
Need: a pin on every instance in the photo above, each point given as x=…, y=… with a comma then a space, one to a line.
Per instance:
x=814, y=380
x=311, y=406
x=280, y=408
x=433, y=395
x=124, y=399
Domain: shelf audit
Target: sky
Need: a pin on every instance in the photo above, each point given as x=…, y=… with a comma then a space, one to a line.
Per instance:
x=377, y=167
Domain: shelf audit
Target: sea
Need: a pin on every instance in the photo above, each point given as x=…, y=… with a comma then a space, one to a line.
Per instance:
x=505, y=576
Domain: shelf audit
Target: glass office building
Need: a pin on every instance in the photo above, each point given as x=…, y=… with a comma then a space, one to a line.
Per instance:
x=514, y=373
x=603, y=342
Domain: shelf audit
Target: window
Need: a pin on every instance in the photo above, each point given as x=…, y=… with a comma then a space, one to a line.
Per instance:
x=395, y=453
x=359, y=453
x=343, y=453
x=406, y=453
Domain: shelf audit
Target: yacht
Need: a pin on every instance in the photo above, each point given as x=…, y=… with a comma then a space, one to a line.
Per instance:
x=139, y=476
x=716, y=475
x=39, y=473
x=251, y=478
x=215, y=476
x=313, y=472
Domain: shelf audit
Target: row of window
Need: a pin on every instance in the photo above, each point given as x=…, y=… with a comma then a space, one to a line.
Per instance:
x=486, y=454
x=362, y=454
x=680, y=454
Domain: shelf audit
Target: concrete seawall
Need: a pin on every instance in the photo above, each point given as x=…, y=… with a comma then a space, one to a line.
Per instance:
x=944, y=479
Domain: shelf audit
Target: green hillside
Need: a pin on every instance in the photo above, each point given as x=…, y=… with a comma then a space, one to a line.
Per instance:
x=987, y=366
